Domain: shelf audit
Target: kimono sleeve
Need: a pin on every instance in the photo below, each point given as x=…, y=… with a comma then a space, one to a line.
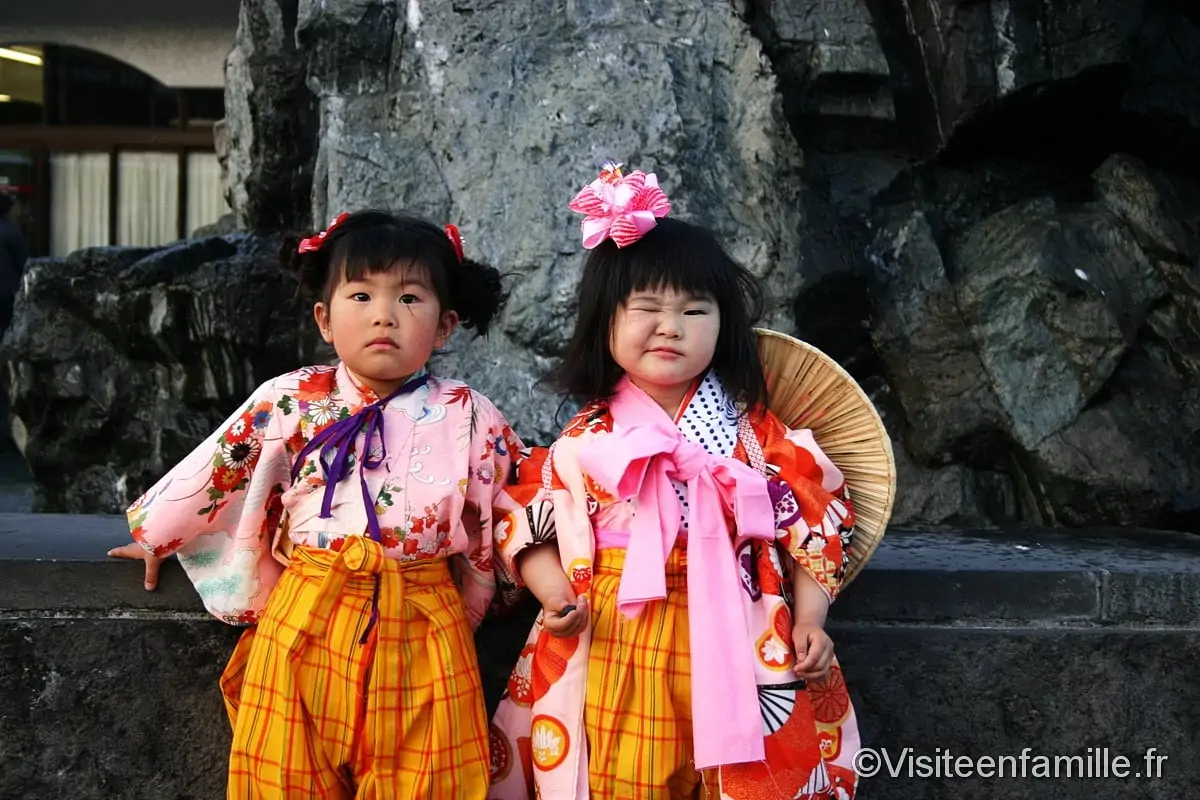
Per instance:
x=219, y=508
x=494, y=449
x=814, y=516
x=529, y=517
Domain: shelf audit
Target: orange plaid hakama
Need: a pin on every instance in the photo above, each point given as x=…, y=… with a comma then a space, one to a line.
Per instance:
x=318, y=713
x=638, y=710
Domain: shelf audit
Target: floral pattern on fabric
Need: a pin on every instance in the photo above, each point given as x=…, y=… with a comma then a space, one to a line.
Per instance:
x=230, y=511
x=811, y=730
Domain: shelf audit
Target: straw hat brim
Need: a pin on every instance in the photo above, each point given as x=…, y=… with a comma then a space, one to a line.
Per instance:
x=808, y=389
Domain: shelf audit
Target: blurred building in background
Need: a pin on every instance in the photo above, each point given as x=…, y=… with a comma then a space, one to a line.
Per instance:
x=106, y=118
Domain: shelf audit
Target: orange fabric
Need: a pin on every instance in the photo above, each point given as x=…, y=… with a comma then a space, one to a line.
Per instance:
x=317, y=714
x=539, y=731
x=639, y=701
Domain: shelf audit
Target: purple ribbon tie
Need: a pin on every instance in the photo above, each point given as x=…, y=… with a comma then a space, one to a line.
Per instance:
x=336, y=443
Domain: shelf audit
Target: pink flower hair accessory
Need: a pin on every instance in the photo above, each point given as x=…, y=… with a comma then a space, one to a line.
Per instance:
x=619, y=207
x=313, y=243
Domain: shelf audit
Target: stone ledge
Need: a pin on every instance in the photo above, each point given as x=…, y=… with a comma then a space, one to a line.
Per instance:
x=967, y=642
x=56, y=565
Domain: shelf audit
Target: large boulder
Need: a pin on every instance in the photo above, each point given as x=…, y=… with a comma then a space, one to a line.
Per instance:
x=493, y=117
x=986, y=211
x=121, y=360
x=267, y=140
x=1054, y=342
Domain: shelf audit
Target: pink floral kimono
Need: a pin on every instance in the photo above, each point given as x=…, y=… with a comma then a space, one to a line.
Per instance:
x=232, y=512
x=722, y=547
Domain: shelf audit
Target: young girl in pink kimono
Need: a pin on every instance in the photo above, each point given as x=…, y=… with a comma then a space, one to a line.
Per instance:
x=345, y=515
x=685, y=545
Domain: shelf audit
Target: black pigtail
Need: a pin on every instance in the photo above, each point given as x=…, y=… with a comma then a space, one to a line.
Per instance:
x=478, y=294
x=310, y=269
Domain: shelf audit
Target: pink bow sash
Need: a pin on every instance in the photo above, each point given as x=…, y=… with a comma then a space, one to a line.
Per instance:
x=639, y=461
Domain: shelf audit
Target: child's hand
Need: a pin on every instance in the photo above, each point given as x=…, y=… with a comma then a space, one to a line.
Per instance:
x=564, y=615
x=814, y=651
x=135, y=551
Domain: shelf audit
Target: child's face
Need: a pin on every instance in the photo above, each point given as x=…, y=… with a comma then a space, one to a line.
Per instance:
x=663, y=339
x=385, y=326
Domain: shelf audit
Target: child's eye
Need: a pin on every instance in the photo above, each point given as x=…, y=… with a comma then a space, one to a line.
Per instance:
x=696, y=312
x=361, y=297
x=408, y=298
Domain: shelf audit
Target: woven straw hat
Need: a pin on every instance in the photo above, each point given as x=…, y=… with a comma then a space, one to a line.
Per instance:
x=808, y=389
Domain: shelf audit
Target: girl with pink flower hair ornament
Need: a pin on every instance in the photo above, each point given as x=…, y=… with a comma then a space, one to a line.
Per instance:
x=684, y=544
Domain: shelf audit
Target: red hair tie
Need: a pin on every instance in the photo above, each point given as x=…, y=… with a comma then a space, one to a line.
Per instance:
x=314, y=243
x=456, y=240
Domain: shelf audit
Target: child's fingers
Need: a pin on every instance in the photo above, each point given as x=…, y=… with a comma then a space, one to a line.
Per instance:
x=816, y=671
x=819, y=671
x=816, y=657
x=826, y=656
x=559, y=626
x=132, y=550
x=809, y=656
x=584, y=609
x=583, y=614
x=568, y=620
x=135, y=551
x=152, y=565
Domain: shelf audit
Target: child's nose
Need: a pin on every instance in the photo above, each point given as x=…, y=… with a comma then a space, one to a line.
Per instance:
x=384, y=315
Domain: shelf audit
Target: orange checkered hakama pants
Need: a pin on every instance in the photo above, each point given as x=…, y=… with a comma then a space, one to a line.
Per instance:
x=320, y=711
x=638, y=711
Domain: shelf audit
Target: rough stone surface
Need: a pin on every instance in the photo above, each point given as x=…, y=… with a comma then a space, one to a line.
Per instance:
x=493, y=116
x=989, y=213
x=1048, y=339
x=954, y=58
x=972, y=642
x=267, y=140
x=121, y=360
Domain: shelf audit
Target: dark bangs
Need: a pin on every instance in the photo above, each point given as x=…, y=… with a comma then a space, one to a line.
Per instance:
x=369, y=242
x=673, y=255
x=376, y=246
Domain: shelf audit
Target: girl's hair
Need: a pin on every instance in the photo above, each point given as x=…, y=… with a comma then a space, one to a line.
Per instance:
x=372, y=241
x=675, y=255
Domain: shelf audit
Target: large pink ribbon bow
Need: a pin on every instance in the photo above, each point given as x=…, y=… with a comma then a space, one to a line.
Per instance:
x=639, y=461
x=623, y=208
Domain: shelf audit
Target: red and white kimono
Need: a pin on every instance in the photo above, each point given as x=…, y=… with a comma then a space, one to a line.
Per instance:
x=691, y=617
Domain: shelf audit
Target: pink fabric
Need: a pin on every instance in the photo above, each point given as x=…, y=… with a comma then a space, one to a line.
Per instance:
x=638, y=460
x=621, y=208
x=609, y=539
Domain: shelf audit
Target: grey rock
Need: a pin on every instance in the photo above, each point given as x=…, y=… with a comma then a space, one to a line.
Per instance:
x=922, y=338
x=268, y=136
x=121, y=360
x=1163, y=210
x=953, y=59
x=830, y=52
x=1131, y=455
x=493, y=118
x=226, y=224
x=1052, y=300
x=1034, y=351
x=1164, y=80
x=994, y=224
